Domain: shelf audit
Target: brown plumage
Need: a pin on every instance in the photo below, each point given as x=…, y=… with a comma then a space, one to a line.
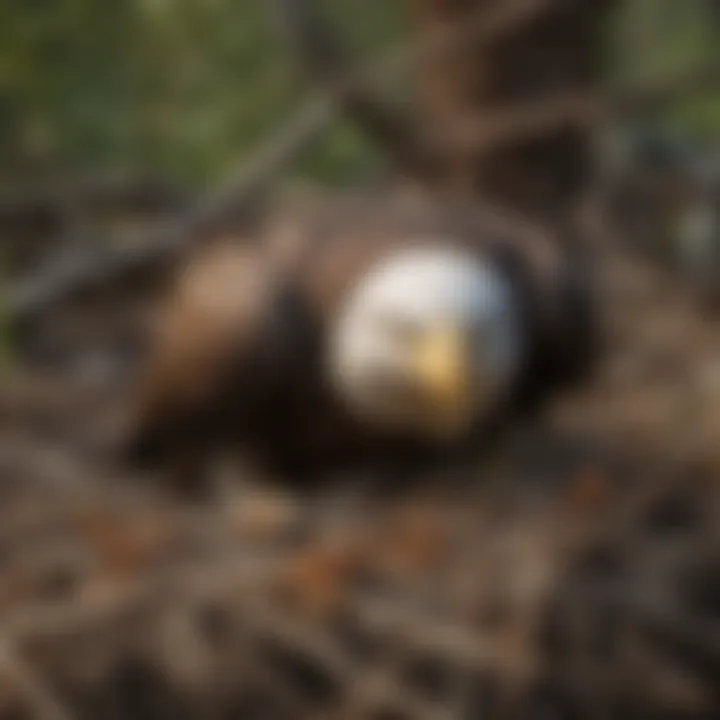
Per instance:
x=239, y=356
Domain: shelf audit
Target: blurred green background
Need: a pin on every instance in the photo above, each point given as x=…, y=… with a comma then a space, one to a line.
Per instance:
x=183, y=88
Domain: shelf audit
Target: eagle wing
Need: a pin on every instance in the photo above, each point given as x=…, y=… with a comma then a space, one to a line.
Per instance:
x=208, y=352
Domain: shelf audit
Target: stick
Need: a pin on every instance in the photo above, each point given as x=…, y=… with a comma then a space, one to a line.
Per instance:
x=81, y=271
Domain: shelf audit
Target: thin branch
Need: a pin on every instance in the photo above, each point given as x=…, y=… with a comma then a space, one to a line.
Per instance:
x=328, y=65
x=103, y=192
x=486, y=25
x=528, y=120
x=40, y=700
x=695, y=642
x=81, y=271
x=355, y=90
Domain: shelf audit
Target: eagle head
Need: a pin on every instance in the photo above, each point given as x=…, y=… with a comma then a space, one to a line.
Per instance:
x=428, y=341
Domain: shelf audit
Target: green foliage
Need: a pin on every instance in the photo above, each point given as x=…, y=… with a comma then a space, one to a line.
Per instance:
x=656, y=37
x=183, y=87
x=186, y=87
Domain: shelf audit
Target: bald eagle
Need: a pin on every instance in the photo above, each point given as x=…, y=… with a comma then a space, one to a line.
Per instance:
x=360, y=329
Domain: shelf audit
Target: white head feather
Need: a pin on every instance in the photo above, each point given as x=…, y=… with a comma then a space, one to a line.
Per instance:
x=406, y=296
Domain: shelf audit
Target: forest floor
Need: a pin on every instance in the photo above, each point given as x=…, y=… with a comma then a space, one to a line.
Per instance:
x=576, y=575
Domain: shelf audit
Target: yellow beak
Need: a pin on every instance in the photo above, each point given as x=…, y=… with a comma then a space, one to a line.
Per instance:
x=442, y=372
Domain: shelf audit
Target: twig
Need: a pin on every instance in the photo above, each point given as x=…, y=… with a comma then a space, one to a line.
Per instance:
x=52, y=201
x=81, y=271
x=679, y=633
x=355, y=89
x=527, y=120
x=43, y=704
x=328, y=65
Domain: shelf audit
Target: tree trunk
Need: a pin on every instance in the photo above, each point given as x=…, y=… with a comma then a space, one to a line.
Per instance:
x=511, y=53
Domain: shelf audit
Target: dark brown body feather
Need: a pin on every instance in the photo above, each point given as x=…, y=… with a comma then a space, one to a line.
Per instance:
x=238, y=360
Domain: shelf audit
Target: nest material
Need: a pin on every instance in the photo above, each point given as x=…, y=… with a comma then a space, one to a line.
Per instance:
x=571, y=577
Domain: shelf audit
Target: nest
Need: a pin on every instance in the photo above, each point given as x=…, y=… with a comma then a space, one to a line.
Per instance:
x=575, y=573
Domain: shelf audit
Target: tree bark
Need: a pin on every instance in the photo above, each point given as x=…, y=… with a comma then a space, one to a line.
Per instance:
x=543, y=51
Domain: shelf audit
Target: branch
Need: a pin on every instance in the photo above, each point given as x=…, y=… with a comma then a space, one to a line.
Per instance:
x=328, y=65
x=527, y=121
x=78, y=272
x=103, y=192
x=355, y=89
x=82, y=271
x=38, y=698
